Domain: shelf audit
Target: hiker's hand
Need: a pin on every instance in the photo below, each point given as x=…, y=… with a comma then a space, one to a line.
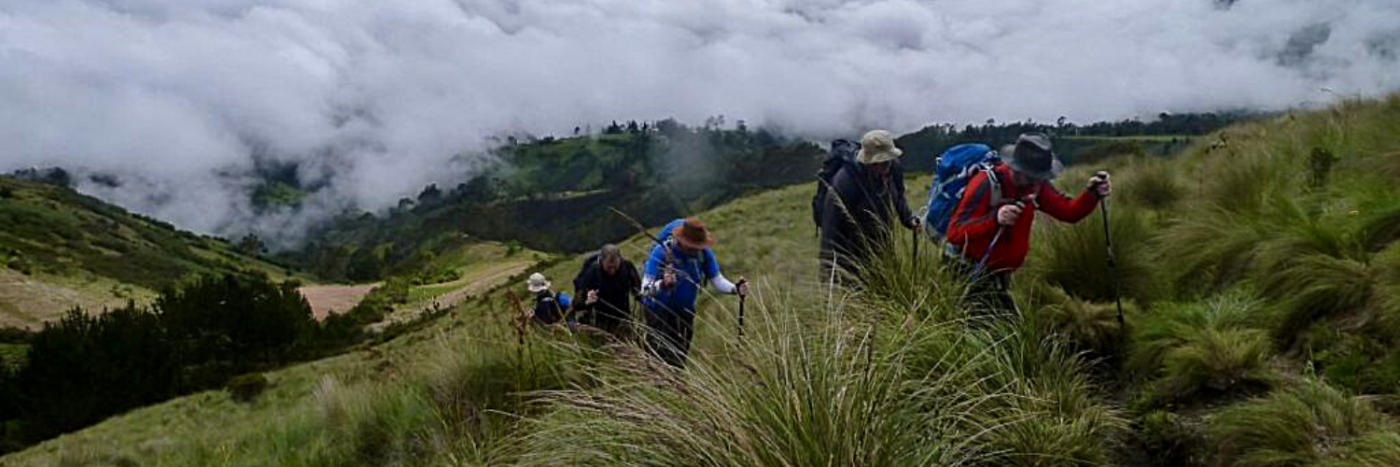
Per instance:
x=668, y=279
x=1008, y=214
x=1100, y=184
x=742, y=288
x=592, y=297
x=916, y=221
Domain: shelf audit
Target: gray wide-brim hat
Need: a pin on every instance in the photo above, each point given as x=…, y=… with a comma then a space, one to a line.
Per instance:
x=878, y=146
x=1034, y=156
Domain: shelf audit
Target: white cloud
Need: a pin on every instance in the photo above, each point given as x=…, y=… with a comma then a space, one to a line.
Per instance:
x=375, y=97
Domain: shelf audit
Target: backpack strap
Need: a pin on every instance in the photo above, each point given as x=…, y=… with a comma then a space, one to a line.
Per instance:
x=993, y=178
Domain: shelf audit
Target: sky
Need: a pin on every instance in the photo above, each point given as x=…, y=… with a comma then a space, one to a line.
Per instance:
x=373, y=99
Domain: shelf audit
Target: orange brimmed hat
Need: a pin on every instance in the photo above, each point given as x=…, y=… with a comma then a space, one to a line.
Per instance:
x=693, y=234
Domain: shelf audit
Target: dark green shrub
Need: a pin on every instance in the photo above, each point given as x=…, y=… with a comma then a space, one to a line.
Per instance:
x=245, y=388
x=84, y=368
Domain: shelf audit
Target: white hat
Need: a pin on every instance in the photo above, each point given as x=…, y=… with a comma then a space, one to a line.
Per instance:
x=877, y=146
x=538, y=283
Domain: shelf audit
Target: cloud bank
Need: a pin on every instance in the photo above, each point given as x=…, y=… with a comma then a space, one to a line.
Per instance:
x=182, y=99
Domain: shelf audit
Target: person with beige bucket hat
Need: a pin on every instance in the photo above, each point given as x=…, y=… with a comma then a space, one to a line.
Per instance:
x=862, y=202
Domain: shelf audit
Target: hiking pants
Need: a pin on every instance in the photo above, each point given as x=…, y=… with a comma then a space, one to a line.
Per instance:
x=988, y=294
x=669, y=333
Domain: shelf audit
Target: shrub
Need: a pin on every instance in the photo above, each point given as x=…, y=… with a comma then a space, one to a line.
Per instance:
x=246, y=387
x=1310, y=424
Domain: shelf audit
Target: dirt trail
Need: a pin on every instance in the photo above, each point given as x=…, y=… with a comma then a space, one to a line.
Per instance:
x=475, y=283
x=327, y=299
x=482, y=281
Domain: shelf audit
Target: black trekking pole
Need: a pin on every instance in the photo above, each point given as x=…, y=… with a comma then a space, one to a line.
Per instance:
x=914, y=240
x=742, y=297
x=1112, y=259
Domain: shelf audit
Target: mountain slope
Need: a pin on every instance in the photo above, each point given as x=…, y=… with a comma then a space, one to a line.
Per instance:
x=60, y=249
x=1267, y=256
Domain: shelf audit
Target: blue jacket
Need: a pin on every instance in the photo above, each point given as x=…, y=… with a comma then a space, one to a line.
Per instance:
x=692, y=272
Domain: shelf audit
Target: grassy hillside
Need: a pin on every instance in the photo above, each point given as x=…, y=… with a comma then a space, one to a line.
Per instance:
x=60, y=249
x=1260, y=271
x=537, y=189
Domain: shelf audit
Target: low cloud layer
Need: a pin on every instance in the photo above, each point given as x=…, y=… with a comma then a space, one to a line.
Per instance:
x=181, y=98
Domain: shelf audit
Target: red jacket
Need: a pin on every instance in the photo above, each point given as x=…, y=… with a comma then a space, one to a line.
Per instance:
x=974, y=222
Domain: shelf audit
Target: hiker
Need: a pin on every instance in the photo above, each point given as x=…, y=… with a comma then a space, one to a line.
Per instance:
x=989, y=232
x=607, y=284
x=674, y=274
x=867, y=195
x=549, y=306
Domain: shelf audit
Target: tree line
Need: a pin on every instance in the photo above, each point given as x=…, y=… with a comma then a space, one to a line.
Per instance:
x=88, y=366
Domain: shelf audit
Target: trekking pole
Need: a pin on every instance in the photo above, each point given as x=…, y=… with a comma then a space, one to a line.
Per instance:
x=742, y=297
x=914, y=240
x=1112, y=259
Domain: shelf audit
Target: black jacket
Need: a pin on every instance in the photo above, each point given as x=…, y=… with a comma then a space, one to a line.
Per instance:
x=860, y=207
x=615, y=291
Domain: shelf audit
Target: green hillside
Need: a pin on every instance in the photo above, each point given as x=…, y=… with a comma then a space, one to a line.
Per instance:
x=60, y=248
x=554, y=195
x=1261, y=274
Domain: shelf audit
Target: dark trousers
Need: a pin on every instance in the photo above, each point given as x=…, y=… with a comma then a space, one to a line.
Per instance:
x=669, y=333
x=610, y=322
x=988, y=294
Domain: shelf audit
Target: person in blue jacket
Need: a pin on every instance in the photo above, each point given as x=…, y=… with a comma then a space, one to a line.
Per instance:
x=671, y=282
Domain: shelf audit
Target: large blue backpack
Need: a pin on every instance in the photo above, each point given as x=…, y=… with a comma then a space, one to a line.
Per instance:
x=952, y=173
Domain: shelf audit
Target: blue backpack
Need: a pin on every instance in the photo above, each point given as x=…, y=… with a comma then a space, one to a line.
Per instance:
x=952, y=173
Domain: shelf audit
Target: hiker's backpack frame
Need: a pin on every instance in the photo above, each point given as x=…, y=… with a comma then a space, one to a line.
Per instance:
x=953, y=171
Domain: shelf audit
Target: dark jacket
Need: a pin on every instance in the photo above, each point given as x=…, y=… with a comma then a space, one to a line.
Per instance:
x=615, y=292
x=859, y=209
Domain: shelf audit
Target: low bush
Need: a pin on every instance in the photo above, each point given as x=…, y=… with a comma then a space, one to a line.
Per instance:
x=247, y=387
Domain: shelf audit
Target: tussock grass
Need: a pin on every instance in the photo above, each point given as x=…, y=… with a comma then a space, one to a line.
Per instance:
x=1150, y=183
x=1201, y=349
x=1308, y=425
x=1075, y=257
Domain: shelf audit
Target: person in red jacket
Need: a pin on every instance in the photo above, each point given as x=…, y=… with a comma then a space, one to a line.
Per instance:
x=989, y=234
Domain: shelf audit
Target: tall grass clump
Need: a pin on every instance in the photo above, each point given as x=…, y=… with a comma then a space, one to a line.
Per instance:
x=465, y=408
x=1091, y=328
x=1075, y=257
x=1150, y=183
x=784, y=395
x=1311, y=424
x=1205, y=349
x=896, y=282
x=881, y=379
